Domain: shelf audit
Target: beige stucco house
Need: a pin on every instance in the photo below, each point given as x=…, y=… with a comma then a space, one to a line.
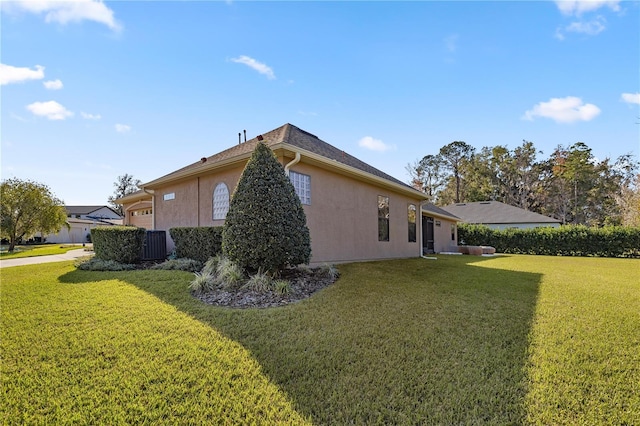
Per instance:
x=354, y=211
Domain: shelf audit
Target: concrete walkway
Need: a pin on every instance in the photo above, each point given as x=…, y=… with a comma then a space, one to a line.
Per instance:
x=70, y=255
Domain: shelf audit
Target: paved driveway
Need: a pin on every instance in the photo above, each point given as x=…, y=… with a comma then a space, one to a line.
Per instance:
x=70, y=255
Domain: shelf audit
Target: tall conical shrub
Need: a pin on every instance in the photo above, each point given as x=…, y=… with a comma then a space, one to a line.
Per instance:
x=265, y=228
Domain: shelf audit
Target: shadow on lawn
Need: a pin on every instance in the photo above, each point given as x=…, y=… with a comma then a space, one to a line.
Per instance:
x=396, y=342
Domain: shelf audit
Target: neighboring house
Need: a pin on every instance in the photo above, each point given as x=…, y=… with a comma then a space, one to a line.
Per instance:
x=497, y=215
x=354, y=211
x=102, y=213
x=81, y=220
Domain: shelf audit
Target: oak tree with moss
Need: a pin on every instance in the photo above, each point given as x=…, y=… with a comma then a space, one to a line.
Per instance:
x=266, y=227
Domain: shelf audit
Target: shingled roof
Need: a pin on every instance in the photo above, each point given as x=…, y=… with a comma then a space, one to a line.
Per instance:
x=286, y=134
x=494, y=213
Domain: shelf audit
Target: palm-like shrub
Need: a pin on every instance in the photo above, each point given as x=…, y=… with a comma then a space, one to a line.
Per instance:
x=265, y=228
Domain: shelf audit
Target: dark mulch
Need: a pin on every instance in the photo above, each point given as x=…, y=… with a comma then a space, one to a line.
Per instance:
x=303, y=284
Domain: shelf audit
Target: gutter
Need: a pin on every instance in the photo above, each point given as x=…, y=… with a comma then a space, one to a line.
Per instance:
x=293, y=162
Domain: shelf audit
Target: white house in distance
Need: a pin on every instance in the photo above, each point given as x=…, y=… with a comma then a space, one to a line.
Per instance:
x=497, y=215
x=81, y=220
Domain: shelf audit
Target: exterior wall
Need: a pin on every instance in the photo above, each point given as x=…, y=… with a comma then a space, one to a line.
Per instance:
x=342, y=217
x=442, y=235
x=139, y=214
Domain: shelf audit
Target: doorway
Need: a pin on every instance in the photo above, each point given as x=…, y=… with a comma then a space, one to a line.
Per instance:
x=428, y=246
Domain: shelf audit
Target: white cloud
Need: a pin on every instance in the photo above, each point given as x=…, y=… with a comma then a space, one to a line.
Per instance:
x=451, y=42
x=563, y=110
x=258, y=66
x=593, y=27
x=65, y=11
x=10, y=74
x=53, y=84
x=51, y=109
x=578, y=7
x=375, y=144
x=88, y=116
x=631, y=98
x=122, y=128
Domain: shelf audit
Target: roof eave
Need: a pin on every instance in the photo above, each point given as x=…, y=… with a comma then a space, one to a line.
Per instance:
x=349, y=170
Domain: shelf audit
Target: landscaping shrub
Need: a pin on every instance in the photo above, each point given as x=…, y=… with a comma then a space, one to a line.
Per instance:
x=182, y=264
x=199, y=243
x=122, y=244
x=265, y=227
x=95, y=264
x=568, y=240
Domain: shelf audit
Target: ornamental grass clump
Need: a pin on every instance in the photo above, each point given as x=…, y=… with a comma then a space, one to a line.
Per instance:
x=228, y=274
x=260, y=282
x=202, y=283
x=265, y=228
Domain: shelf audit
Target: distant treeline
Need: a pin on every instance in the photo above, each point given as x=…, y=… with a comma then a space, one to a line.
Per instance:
x=570, y=185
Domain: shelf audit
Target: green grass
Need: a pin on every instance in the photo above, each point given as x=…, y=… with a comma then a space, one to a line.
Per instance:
x=37, y=250
x=460, y=340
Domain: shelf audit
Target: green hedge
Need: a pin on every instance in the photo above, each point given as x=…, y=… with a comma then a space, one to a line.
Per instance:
x=199, y=243
x=568, y=240
x=120, y=243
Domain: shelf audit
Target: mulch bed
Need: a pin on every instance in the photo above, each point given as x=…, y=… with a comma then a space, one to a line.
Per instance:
x=303, y=284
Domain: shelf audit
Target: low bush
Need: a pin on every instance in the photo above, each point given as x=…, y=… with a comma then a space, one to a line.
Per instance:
x=199, y=243
x=122, y=244
x=568, y=240
x=182, y=264
x=95, y=264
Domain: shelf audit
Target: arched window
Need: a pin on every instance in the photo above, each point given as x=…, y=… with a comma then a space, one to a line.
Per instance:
x=220, y=201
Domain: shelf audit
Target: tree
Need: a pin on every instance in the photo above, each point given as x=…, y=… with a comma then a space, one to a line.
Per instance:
x=454, y=156
x=125, y=185
x=28, y=207
x=266, y=227
x=427, y=175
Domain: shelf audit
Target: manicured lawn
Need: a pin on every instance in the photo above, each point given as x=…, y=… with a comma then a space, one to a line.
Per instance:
x=37, y=250
x=460, y=340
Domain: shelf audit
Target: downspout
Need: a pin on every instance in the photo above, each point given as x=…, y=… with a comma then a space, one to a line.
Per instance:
x=153, y=206
x=293, y=162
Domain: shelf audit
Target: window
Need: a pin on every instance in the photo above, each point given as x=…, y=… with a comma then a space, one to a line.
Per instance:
x=169, y=196
x=411, y=217
x=220, y=201
x=302, y=185
x=383, y=218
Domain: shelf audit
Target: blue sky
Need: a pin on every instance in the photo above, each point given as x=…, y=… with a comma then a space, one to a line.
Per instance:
x=94, y=90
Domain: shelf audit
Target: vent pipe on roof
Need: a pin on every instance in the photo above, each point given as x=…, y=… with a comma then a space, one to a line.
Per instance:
x=245, y=135
x=239, y=138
